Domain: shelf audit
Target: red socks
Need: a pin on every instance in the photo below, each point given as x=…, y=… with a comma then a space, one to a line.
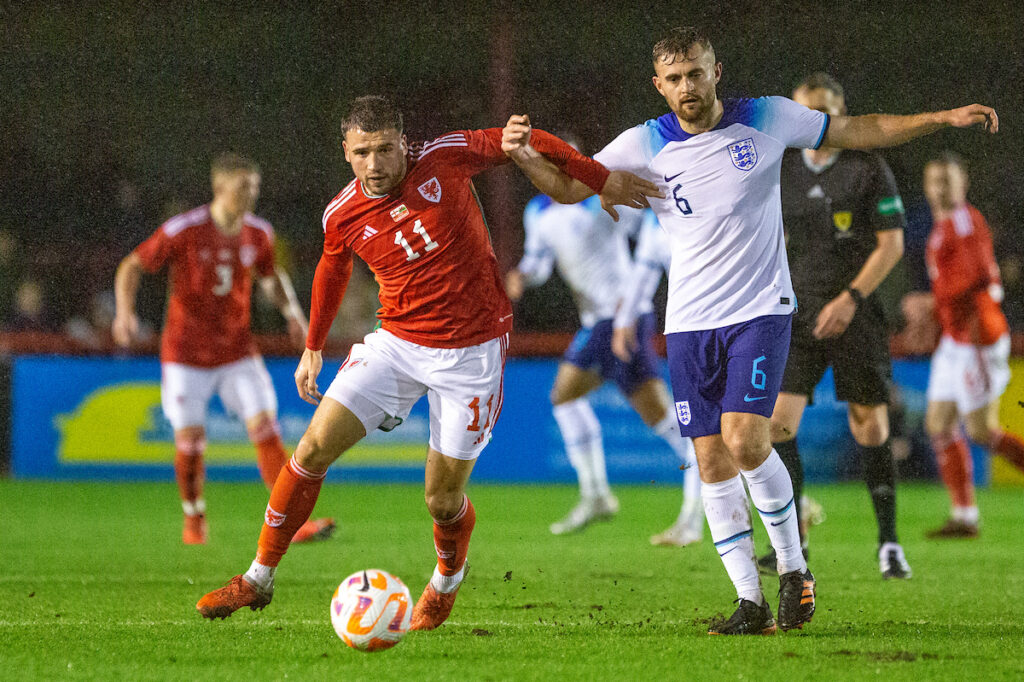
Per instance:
x=291, y=503
x=1010, y=447
x=188, y=468
x=270, y=453
x=956, y=468
x=451, y=539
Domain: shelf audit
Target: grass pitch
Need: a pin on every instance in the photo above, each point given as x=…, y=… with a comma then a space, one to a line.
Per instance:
x=97, y=585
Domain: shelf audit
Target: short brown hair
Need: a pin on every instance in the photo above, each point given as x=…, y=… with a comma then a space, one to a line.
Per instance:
x=949, y=158
x=678, y=41
x=372, y=113
x=229, y=162
x=822, y=80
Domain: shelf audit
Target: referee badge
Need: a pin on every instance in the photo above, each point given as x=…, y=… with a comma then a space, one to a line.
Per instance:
x=842, y=220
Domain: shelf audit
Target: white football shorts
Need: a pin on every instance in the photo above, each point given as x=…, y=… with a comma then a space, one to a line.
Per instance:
x=244, y=386
x=968, y=375
x=384, y=376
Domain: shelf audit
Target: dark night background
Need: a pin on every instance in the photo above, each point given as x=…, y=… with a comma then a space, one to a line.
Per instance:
x=111, y=111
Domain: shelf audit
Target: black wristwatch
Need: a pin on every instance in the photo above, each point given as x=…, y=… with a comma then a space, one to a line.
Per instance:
x=857, y=297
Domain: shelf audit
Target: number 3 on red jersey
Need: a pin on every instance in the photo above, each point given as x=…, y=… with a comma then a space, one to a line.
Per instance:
x=418, y=228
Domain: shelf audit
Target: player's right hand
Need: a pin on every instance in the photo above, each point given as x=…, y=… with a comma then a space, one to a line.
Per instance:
x=624, y=342
x=125, y=329
x=515, y=136
x=625, y=189
x=974, y=114
x=305, y=376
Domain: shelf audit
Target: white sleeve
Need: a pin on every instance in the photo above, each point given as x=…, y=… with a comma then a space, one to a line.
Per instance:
x=649, y=260
x=792, y=124
x=630, y=151
x=538, y=260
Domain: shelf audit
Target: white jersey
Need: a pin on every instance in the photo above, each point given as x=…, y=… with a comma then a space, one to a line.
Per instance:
x=722, y=208
x=651, y=257
x=590, y=250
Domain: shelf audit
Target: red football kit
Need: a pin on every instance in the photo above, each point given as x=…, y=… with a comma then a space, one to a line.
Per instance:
x=427, y=244
x=965, y=278
x=210, y=278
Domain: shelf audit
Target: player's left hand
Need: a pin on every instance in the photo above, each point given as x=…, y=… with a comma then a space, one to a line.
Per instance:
x=298, y=328
x=515, y=136
x=974, y=114
x=625, y=189
x=835, y=317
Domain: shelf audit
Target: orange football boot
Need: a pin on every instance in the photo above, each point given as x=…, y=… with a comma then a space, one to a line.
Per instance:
x=238, y=593
x=194, y=531
x=315, y=529
x=433, y=607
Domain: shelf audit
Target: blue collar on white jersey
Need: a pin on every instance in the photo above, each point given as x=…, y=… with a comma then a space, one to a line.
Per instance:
x=739, y=110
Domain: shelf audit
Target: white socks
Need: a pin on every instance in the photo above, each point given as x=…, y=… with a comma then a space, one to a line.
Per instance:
x=194, y=508
x=668, y=430
x=728, y=513
x=261, y=576
x=582, y=435
x=968, y=515
x=447, y=583
x=771, y=491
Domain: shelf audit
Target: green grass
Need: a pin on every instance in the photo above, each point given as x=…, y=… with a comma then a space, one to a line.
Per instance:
x=96, y=585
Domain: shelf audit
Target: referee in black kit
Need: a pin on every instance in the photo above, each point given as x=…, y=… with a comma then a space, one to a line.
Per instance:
x=844, y=224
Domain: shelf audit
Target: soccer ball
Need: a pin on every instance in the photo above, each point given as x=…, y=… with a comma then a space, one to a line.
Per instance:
x=370, y=610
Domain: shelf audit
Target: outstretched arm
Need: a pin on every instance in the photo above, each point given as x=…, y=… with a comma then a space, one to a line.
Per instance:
x=885, y=130
x=620, y=187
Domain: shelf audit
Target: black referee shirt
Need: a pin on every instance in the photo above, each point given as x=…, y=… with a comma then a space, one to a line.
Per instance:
x=831, y=218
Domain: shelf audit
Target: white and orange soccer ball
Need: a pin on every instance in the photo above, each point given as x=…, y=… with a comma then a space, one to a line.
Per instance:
x=370, y=610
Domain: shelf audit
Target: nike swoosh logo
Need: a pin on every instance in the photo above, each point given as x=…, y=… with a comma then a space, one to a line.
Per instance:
x=748, y=399
x=670, y=178
x=782, y=521
x=726, y=552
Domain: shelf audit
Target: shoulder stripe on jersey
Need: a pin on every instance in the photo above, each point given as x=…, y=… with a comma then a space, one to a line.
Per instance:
x=346, y=194
x=260, y=224
x=445, y=138
x=441, y=146
x=183, y=221
x=454, y=137
x=962, y=222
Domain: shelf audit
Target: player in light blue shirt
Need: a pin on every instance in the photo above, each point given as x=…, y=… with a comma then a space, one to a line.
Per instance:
x=716, y=163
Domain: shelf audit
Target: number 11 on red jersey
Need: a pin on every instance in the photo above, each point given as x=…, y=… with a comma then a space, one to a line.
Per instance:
x=418, y=228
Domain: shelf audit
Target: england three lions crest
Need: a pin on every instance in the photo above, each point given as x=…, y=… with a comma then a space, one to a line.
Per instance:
x=744, y=154
x=683, y=412
x=431, y=190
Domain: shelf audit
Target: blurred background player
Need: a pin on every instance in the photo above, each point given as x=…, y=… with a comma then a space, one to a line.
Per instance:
x=969, y=369
x=844, y=222
x=591, y=252
x=413, y=217
x=716, y=163
x=206, y=346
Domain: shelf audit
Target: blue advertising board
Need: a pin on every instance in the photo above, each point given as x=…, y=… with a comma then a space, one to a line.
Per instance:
x=100, y=418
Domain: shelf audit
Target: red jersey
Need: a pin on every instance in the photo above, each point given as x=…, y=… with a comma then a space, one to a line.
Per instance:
x=210, y=277
x=427, y=244
x=965, y=278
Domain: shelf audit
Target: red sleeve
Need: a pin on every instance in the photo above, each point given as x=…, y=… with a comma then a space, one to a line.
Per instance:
x=329, y=283
x=477, y=150
x=265, y=257
x=155, y=251
x=576, y=165
x=986, y=252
